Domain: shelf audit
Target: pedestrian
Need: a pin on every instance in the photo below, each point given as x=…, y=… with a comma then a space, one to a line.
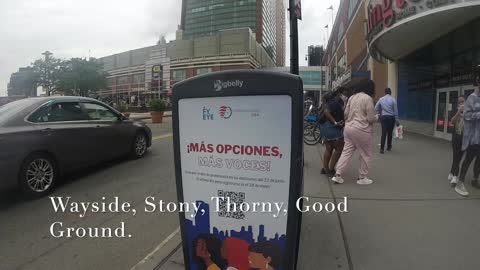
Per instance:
x=387, y=108
x=332, y=132
x=471, y=137
x=457, y=138
x=358, y=134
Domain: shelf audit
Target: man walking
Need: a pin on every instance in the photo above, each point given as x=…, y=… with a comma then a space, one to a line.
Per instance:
x=387, y=108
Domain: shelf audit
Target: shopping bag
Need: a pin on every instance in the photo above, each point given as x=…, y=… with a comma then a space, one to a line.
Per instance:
x=399, y=132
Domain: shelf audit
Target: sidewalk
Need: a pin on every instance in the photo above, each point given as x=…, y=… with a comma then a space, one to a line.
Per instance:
x=409, y=218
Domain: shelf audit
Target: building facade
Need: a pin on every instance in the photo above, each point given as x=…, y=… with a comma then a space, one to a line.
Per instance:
x=431, y=49
x=266, y=18
x=314, y=80
x=139, y=75
x=424, y=50
x=347, y=54
x=315, y=55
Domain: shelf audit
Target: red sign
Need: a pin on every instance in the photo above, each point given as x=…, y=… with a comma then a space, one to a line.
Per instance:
x=383, y=13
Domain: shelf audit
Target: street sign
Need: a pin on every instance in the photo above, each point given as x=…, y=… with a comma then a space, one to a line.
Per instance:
x=157, y=68
x=239, y=160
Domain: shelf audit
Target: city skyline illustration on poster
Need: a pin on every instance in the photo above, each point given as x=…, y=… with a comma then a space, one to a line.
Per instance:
x=236, y=151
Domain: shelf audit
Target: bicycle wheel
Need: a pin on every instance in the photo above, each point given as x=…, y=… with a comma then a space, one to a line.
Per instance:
x=311, y=134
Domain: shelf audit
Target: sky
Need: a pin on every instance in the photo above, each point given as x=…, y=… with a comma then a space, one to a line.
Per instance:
x=97, y=28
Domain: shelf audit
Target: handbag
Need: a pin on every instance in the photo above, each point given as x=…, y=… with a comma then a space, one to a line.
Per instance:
x=399, y=132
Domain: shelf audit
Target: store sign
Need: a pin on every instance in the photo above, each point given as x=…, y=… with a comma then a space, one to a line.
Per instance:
x=238, y=158
x=345, y=77
x=382, y=14
x=157, y=68
x=156, y=72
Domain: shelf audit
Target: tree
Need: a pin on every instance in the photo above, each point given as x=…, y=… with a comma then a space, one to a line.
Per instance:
x=77, y=77
x=81, y=77
x=49, y=73
x=24, y=82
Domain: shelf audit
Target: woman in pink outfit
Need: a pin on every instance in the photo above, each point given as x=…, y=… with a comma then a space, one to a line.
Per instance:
x=360, y=117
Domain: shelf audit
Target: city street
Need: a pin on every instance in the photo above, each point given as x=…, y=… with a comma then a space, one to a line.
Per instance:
x=26, y=242
x=409, y=218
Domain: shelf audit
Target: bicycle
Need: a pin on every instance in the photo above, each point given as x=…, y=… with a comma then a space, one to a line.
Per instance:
x=311, y=127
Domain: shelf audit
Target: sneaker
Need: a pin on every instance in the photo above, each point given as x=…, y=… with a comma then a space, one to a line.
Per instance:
x=381, y=151
x=389, y=149
x=338, y=179
x=450, y=176
x=323, y=171
x=454, y=181
x=460, y=189
x=364, y=181
x=331, y=173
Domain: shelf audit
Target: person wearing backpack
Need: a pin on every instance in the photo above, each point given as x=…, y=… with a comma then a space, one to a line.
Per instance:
x=332, y=131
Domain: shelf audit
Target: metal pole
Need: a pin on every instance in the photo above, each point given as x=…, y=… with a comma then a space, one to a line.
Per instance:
x=47, y=55
x=293, y=39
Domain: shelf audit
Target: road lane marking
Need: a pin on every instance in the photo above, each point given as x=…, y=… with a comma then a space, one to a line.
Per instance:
x=163, y=243
x=162, y=136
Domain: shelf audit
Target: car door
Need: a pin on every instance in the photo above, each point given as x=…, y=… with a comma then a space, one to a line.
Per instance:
x=112, y=136
x=64, y=130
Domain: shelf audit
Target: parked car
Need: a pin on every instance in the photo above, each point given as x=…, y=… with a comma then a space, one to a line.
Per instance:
x=43, y=138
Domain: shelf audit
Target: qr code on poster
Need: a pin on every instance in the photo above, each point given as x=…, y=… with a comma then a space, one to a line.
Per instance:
x=236, y=198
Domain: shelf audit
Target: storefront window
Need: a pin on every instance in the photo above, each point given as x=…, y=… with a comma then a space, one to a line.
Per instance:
x=420, y=105
x=342, y=65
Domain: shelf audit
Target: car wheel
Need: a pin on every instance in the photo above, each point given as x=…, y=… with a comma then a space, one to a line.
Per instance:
x=38, y=175
x=139, y=147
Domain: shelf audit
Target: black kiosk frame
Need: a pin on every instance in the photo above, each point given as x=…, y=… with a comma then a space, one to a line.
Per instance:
x=254, y=83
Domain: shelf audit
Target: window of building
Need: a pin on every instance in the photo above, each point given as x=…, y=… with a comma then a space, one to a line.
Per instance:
x=122, y=80
x=201, y=71
x=342, y=65
x=351, y=8
x=138, y=78
x=179, y=75
x=311, y=77
x=341, y=30
x=200, y=9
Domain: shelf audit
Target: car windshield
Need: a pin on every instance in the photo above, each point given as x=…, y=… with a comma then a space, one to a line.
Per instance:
x=12, y=108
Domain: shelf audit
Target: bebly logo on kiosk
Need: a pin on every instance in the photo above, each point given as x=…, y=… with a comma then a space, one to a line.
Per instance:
x=219, y=85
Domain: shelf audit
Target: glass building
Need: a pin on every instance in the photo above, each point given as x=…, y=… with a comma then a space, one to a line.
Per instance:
x=206, y=17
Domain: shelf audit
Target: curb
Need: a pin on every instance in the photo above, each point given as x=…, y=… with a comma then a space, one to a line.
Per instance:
x=162, y=253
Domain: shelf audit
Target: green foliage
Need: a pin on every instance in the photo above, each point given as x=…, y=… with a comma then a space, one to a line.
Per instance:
x=81, y=77
x=23, y=83
x=157, y=105
x=122, y=107
x=74, y=77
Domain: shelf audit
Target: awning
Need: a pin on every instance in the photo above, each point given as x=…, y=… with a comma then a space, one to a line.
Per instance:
x=417, y=31
x=350, y=78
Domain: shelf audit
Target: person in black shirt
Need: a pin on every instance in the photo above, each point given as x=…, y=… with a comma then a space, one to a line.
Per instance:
x=332, y=131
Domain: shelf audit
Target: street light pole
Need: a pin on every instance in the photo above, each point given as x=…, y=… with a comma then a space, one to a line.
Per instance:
x=293, y=38
x=47, y=55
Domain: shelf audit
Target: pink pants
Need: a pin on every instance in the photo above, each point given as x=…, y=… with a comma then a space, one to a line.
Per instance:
x=356, y=139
